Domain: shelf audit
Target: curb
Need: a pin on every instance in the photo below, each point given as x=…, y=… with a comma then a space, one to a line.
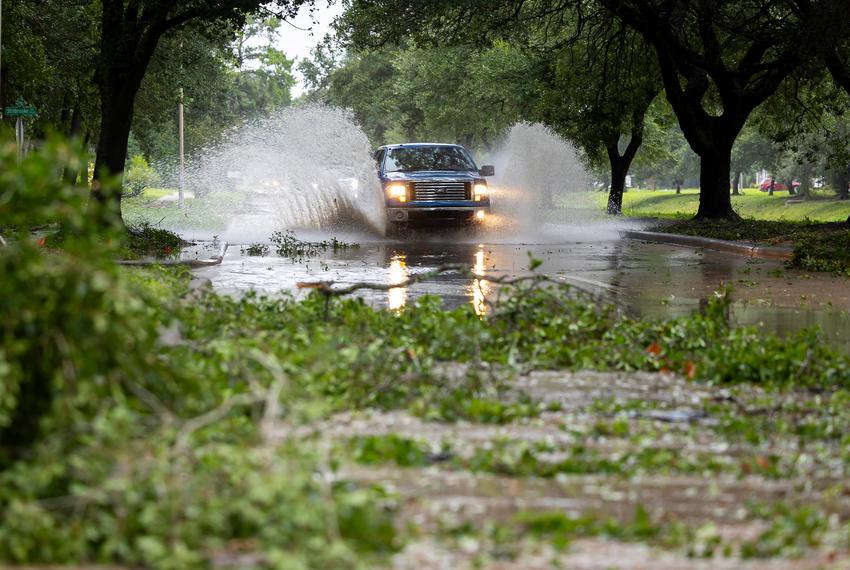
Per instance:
x=761, y=252
x=190, y=263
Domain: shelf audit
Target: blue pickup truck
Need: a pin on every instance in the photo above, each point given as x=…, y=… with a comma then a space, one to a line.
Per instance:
x=427, y=181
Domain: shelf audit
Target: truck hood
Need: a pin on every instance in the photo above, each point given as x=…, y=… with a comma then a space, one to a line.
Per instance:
x=430, y=175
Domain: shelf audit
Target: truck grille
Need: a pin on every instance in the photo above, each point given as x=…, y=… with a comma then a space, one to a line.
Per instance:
x=435, y=191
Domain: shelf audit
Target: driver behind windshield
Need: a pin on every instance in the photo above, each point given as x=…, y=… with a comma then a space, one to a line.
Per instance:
x=411, y=159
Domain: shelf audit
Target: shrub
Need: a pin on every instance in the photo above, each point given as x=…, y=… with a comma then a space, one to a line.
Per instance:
x=96, y=462
x=70, y=326
x=138, y=176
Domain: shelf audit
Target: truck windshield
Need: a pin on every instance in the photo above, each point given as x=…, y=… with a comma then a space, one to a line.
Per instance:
x=411, y=159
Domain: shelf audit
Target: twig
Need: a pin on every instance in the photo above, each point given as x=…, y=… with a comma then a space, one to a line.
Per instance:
x=763, y=411
x=270, y=397
x=152, y=401
x=65, y=350
x=807, y=362
x=212, y=416
x=271, y=412
x=325, y=484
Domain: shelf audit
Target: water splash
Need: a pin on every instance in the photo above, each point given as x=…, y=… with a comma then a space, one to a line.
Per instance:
x=538, y=176
x=306, y=167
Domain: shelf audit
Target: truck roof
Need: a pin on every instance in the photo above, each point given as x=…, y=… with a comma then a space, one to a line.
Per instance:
x=403, y=145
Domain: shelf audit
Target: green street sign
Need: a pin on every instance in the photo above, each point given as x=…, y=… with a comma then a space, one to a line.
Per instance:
x=21, y=109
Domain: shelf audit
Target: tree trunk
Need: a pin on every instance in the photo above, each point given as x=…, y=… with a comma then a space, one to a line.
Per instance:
x=620, y=167
x=714, y=198
x=678, y=186
x=618, y=185
x=772, y=187
x=806, y=181
x=736, y=184
x=844, y=191
x=76, y=121
x=65, y=114
x=116, y=117
x=73, y=132
x=83, y=175
x=712, y=138
x=791, y=187
x=127, y=45
x=839, y=69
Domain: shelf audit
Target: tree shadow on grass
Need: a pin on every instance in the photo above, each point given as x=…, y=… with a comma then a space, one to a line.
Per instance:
x=656, y=200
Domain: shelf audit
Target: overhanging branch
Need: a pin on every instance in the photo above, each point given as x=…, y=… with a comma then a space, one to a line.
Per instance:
x=839, y=70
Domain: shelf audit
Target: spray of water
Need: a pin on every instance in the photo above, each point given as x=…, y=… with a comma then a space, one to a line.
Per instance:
x=539, y=177
x=310, y=168
x=302, y=168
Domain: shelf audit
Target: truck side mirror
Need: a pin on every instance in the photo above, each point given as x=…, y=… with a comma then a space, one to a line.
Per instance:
x=488, y=170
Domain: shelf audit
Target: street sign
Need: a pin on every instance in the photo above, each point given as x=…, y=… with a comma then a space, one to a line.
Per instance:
x=21, y=109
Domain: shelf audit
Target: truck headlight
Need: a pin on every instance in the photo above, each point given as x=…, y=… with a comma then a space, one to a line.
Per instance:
x=397, y=192
x=480, y=192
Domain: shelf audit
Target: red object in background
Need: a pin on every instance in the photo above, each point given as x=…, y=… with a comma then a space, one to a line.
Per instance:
x=167, y=250
x=777, y=186
x=41, y=242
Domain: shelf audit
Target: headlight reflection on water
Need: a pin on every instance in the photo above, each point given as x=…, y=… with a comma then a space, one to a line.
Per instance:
x=480, y=288
x=398, y=273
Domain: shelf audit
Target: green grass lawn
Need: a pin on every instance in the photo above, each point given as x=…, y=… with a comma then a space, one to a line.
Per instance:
x=820, y=244
x=752, y=204
x=207, y=213
x=155, y=193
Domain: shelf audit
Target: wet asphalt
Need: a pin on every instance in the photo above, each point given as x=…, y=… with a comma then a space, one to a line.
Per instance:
x=642, y=279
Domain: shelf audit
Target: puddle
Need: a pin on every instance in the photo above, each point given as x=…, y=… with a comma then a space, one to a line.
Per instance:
x=651, y=280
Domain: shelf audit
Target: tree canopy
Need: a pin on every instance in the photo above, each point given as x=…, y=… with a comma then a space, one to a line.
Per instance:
x=130, y=32
x=718, y=60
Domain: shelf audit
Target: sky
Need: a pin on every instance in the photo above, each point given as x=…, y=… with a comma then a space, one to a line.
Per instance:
x=297, y=44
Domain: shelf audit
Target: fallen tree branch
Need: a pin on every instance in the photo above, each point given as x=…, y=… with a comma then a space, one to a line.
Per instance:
x=329, y=288
x=269, y=397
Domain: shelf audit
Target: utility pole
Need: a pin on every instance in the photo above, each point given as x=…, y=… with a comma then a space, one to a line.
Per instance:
x=182, y=162
x=19, y=137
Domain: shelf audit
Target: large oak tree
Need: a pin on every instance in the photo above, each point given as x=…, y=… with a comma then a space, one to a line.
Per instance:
x=601, y=87
x=720, y=60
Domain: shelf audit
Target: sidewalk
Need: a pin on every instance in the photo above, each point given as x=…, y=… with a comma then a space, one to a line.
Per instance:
x=739, y=248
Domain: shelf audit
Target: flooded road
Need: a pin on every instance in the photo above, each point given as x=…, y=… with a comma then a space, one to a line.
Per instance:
x=631, y=470
x=643, y=279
